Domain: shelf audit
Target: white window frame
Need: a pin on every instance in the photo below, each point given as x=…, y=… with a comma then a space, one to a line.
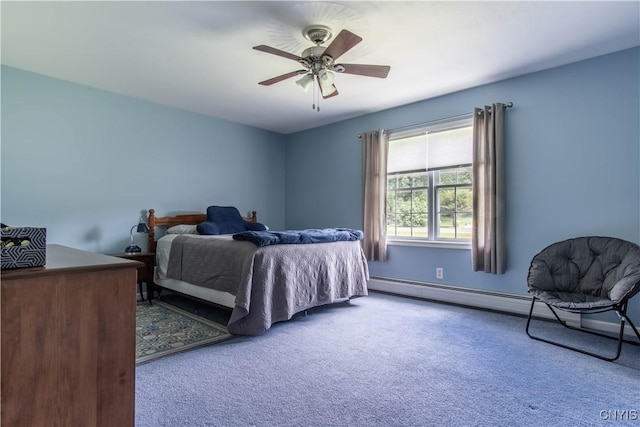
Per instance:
x=431, y=240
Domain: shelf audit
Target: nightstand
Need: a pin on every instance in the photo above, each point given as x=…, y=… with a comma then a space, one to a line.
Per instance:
x=145, y=272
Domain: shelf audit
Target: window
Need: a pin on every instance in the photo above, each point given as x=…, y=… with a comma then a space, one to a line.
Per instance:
x=429, y=179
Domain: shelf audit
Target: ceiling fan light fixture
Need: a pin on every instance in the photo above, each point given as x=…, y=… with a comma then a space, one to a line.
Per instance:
x=305, y=82
x=326, y=78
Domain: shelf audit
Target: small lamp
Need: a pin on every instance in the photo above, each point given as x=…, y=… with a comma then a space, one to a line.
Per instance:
x=141, y=227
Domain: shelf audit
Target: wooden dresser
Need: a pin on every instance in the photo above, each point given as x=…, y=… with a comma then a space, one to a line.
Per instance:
x=68, y=341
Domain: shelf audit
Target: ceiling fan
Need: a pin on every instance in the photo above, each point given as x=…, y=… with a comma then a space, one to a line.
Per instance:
x=319, y=62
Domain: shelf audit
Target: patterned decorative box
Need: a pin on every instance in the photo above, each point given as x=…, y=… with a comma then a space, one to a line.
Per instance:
x=23, y=247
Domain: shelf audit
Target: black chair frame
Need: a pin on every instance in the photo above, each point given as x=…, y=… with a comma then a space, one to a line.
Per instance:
x=621, y=311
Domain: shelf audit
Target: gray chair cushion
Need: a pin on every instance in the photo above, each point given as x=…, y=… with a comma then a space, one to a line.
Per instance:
x=586, y=273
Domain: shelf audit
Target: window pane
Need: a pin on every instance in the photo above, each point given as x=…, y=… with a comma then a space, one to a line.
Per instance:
x=464, y=175
x=420, y=201
x=391, y=225
x=447, y=176
x=446, y=229
x=464, y=200
x=404, y=181
x=446, y=210
x=391, y=213
x=463, y=225
x=421, y=179
x=391, y=182
x=391, y=203
x=419, y=228
x=453, y=176
x=403, y=208
x=446, y=200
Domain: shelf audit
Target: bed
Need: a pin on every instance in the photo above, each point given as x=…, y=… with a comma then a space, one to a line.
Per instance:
x=261, y=285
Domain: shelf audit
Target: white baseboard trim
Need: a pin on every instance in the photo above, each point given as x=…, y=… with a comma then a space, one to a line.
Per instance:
x=508, y=303
x=608, y=327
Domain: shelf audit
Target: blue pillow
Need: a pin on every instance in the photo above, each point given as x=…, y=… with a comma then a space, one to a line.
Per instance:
x=227, y=227
x=208, y=228
x=227, y=220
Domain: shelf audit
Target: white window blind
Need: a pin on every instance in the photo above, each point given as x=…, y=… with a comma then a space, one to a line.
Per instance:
x=431, y=149
x=407, y=154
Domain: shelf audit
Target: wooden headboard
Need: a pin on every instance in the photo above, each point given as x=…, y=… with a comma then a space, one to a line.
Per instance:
x=170, y=221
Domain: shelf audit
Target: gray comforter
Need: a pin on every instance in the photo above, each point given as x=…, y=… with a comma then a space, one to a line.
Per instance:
x=271, y=283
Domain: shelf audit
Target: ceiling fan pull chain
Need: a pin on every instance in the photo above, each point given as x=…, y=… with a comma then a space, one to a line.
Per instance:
x=313, y=92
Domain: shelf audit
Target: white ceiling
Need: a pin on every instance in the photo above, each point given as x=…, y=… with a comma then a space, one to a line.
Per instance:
x=198, y=56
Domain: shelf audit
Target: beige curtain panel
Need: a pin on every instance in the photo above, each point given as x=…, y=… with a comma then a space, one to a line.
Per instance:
x=488, y=252
x=375, y=150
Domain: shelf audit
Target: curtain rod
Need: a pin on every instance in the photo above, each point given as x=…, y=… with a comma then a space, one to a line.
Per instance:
x=506, y=105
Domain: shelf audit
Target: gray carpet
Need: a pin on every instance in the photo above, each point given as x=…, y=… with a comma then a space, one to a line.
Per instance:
x=384, y=360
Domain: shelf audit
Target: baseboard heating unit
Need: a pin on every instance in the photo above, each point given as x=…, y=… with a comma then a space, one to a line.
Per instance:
x=489, y=300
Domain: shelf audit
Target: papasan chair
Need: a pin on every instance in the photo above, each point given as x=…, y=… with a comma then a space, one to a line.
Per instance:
x=586, y=275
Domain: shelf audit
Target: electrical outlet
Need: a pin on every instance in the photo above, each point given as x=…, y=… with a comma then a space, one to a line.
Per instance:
x=439, y=273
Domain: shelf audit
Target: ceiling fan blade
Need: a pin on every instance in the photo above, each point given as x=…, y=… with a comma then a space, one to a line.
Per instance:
x=327, y=91
x=277, y=79
x=380, y=71
x=278, y=52
x=332, y=94
x=344, y=41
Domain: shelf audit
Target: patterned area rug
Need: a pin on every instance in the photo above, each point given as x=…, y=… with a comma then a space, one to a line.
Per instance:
x=162, y=329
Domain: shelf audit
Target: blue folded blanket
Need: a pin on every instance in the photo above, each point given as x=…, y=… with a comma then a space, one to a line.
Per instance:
x=265, y=238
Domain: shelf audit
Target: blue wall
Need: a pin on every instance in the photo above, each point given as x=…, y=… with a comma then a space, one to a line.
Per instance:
x=572, y=167
x=85, y=163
